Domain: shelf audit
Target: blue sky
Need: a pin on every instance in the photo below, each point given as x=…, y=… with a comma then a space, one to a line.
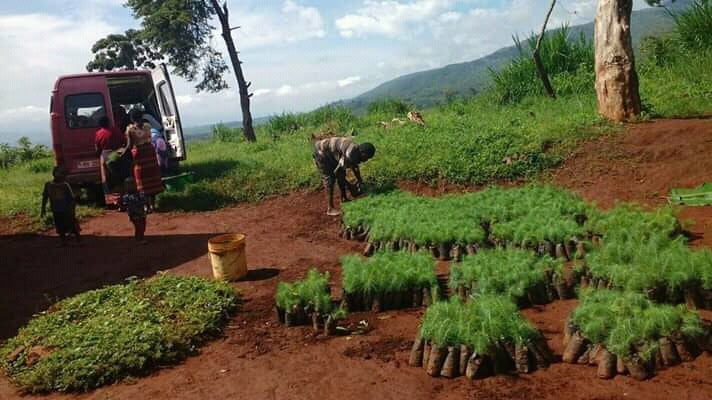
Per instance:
x=299, y=54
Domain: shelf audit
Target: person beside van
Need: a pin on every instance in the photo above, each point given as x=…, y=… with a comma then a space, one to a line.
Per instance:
x=159, y=143
x=106, y=141
x=146, y=171
x=135, y=203
x=153, y=121
x=121, y=119
x=62, y=204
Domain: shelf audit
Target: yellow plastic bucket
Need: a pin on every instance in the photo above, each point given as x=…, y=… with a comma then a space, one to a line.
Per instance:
x=227, y=256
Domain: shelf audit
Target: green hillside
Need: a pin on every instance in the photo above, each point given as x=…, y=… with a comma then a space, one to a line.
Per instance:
x=427, y=88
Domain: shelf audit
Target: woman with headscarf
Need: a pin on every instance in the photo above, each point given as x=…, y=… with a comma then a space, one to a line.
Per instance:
x=146, y=170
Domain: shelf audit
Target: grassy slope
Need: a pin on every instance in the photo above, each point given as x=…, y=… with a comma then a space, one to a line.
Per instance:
x=464, y=142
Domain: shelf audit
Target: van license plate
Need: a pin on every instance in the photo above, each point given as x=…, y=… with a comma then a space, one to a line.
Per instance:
x=87, y=164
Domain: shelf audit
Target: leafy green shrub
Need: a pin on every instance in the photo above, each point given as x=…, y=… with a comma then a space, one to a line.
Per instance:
x=284, y=123
x=511, y=273
x=566, y=60
x=341, y=118
x=310, y=294
x=25, y=151
x=42, y=165
x=102, y=336
x=693, y=25
x=659, y=51
x=480, y=324
x=223, y=133
x=628, y=323
x=389, y=108
x=388, y=272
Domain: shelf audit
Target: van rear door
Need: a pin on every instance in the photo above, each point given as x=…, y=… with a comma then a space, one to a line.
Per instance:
x=169, y=112
x=78, y=103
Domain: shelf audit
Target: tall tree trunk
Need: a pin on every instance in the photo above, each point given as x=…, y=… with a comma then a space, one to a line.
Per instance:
x=242, y=85
x=537, y=57
x=616, y=78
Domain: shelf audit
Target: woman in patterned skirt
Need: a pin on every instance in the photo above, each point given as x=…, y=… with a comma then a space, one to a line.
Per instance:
x=146, y=171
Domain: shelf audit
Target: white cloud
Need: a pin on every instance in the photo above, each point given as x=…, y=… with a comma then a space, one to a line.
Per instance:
x=285, y=90
x=293, y=23
x=184, y=99
x=348, y=81
x=24, y=113
x=388, y=17
x=36, y=49
x=450, y=16
x=261, y=92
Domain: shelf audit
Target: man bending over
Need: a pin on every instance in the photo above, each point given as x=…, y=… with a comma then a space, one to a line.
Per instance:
x=333, y=156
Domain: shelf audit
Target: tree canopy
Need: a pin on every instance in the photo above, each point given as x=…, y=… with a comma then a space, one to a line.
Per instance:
x=175, y=31
x=122, y=51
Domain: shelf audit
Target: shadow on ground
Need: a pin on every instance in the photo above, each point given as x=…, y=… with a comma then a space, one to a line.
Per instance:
x=36, y=272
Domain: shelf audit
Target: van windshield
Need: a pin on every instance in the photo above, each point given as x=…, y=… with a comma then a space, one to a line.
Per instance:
x=132, y=92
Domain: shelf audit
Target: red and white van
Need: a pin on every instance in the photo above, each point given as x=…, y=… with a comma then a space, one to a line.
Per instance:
x=78, y=101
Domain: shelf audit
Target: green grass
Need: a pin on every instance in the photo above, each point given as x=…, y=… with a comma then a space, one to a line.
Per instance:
x=680, y=89
x=21, y=195
x=629, y=323
x=510, y=273
x=310, y=294
x=533, y=213
x=480, y=324
x=388, y=272
x=105, y=335
x=568, y=61
x=466, y=143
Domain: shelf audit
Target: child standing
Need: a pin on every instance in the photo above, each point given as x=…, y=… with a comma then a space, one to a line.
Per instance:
x=135, y=203
x=62, y=204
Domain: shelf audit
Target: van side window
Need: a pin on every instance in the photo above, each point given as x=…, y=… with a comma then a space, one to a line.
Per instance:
x=164, y=94
x=84, y=110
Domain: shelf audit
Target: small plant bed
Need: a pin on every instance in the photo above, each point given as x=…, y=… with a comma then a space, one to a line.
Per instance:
x=646, y=252
x=520, y=275
x=478, y=339
x=102, y=336
x=388, y=280
x=541, y=218
x=626, y=333
x=308, y=302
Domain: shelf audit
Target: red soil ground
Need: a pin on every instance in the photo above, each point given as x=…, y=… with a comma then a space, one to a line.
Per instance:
x=258, y=359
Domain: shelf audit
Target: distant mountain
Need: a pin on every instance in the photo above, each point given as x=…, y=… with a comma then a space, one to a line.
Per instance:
x=426, y=88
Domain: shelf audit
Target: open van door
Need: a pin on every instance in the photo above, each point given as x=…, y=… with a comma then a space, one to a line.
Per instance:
x=169, y=111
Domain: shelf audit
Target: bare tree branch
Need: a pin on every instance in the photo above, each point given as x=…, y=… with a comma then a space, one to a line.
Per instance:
x=537, y=57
